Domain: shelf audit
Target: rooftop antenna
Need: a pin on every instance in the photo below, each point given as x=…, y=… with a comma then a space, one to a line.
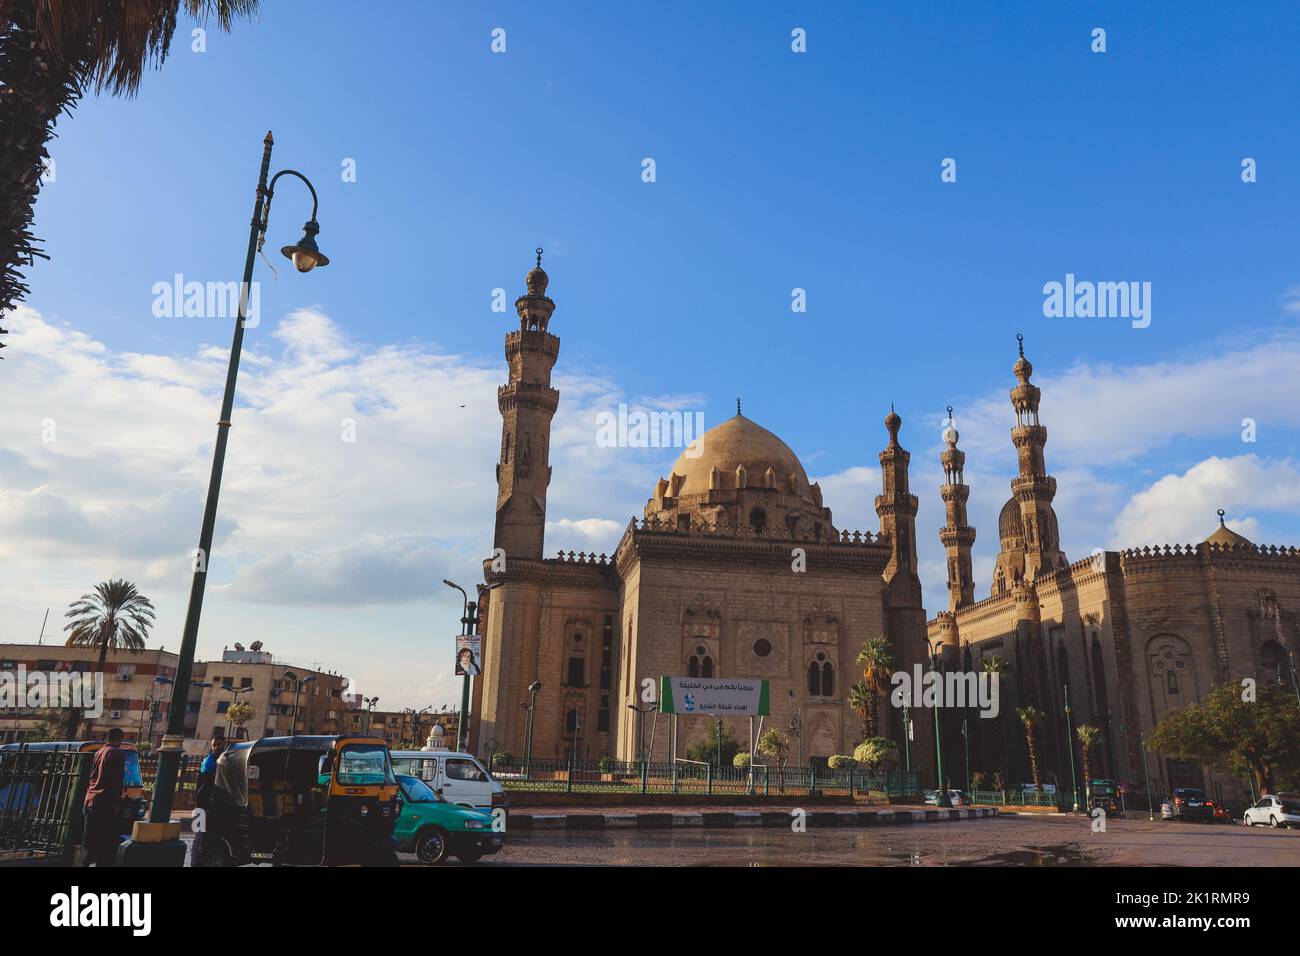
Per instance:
x=41, y=639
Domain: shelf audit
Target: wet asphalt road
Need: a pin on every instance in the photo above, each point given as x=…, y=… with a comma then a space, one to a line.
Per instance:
x=1038, y=840
x=1012, y=840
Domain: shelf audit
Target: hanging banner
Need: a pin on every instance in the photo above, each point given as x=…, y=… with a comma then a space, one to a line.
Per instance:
x=469, y=655
x=716, y=696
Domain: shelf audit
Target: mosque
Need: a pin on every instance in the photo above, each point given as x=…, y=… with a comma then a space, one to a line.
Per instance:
x=703, y=584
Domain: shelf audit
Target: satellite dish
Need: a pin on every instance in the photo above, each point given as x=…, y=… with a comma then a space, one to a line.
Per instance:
x=257, y=645
x=239, y=647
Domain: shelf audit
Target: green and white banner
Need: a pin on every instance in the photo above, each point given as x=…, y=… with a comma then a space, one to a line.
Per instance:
x=715, y=696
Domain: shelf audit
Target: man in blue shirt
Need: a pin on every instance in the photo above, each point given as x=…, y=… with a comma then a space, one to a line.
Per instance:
x=203, y=793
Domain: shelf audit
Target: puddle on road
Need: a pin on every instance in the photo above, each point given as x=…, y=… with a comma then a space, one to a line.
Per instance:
x=1067, y=854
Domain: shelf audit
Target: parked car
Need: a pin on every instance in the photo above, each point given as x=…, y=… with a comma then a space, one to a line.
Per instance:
x=959, y=798
x=460, y=777
x=1275, y=809
x=434, y=829
x=1190, y=803
x=1219, y=812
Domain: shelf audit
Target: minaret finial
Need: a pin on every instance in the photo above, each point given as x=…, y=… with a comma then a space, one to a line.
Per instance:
x=949, y=413
x=539, y=257
x=737, y=404
x=1221, y=514
x=1020, y=341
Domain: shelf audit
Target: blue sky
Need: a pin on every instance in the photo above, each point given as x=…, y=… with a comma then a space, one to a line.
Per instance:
x=775, y=170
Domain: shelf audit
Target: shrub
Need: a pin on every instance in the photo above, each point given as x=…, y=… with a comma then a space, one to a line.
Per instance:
x=877, y=753
x=741, y=760
x=840, y=761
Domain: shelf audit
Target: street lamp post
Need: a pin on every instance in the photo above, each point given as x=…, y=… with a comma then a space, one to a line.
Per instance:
x=235, y=691
x=966, y=737
x=1295, y=685
x=1151, y=806
x=533, y=688
x=907, y=738
x=151, y=704
x=305, y=256
x=944, y=799
x=640, y=712
x=1069, y=745
x=469, y=623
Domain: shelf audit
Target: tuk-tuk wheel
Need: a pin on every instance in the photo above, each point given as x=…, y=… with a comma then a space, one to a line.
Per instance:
x=215, y=856
x=431, y=847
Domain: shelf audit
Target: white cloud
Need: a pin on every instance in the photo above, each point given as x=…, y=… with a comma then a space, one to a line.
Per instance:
x=1173, y=510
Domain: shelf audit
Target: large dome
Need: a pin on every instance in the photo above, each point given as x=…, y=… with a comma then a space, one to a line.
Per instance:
x=735, y=443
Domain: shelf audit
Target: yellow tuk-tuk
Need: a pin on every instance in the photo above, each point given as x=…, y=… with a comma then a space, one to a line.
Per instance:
x=318, y=800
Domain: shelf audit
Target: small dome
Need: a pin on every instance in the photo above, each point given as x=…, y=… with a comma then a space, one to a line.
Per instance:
x=1225, y=537
x=738, y=442
x=1009, y=524
x=537, y=280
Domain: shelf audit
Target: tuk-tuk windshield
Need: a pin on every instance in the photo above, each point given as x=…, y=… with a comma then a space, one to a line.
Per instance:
x=131, y=770
x=363, y=765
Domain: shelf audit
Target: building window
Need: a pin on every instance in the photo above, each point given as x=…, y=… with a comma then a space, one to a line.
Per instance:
x=575, y=672
x=1172, y=680
x=821, y=677
x=602, y=716
x=700, y=664
x=757, y=520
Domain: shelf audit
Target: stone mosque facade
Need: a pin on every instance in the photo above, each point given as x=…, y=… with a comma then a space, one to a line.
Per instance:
x=704, y=584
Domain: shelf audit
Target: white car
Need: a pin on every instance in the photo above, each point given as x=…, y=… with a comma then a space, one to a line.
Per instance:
x=458, y=777
x=1275, y=809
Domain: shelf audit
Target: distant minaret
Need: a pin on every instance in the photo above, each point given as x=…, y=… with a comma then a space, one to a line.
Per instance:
x=527, y=403
x=895, y=505
x=1033, y=488
x=957, y=536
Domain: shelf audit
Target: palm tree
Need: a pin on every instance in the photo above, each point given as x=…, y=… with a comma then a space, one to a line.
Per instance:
x=993, y=666
x=860, y=701
x=51, y=53
x=877, y=660
x=1031, y=717
x=1088, y=736
x=115, y=616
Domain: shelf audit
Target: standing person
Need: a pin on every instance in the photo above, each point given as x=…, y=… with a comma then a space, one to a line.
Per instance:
x=103, y=805
x=203, y=794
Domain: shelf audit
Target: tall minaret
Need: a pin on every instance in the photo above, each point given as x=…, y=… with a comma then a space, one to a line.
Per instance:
x=1033, y=488
x=527, y=404
x=895, y=505
x=957, y=536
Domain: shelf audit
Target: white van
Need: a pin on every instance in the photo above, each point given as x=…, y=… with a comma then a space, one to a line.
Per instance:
x=459, y=777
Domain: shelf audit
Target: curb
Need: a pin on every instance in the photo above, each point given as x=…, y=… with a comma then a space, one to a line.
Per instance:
x=741, y=818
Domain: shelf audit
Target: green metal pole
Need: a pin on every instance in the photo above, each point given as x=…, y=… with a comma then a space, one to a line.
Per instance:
x=965, y=733
x=1151, y=803
x=467, y=628
x=907, y=738
x=944, y=799
x=1069, y=743
x=169, y=754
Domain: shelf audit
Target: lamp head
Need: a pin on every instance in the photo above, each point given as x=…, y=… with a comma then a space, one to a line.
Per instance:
x=304, y=254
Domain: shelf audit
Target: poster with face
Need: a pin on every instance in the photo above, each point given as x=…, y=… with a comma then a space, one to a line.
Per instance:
x=469, y=651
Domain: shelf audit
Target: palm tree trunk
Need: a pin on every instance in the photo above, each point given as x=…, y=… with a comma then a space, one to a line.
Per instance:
x=38, y=87
x=1033, y=758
